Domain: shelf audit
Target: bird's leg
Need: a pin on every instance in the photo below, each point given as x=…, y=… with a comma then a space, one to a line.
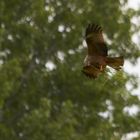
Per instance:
x=101, y=68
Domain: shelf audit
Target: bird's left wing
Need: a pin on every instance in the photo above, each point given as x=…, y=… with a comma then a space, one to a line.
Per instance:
x=95, y=40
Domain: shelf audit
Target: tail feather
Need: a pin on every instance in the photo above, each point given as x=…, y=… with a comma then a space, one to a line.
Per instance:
x=115, y=62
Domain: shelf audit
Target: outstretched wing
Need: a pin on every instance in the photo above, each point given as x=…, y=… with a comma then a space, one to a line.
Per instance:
x=95, y=41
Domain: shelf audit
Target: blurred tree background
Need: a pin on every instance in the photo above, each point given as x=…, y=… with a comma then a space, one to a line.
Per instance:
x=43, y=94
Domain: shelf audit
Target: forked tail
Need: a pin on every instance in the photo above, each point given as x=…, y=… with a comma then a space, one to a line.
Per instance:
x=115, y=62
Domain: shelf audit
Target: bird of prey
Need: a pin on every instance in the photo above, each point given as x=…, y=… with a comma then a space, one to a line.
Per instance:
x=97, y=58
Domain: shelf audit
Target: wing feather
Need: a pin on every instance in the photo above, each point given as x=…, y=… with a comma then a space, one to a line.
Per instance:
x=95, y=41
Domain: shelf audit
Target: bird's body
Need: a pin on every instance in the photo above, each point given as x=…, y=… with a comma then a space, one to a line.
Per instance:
x=96, y=61
x=97, y=58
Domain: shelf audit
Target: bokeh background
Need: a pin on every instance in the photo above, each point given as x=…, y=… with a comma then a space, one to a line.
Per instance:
x=43, y=94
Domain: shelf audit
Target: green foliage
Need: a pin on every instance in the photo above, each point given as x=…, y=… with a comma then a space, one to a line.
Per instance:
x=39, y=103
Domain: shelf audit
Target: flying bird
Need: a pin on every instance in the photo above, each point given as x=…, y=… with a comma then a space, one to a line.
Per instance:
x=97, y=57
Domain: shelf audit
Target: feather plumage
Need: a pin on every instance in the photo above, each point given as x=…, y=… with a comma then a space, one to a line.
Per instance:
x=97, y=58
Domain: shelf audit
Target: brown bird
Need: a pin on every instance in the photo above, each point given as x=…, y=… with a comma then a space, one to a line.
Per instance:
x=97, y=58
